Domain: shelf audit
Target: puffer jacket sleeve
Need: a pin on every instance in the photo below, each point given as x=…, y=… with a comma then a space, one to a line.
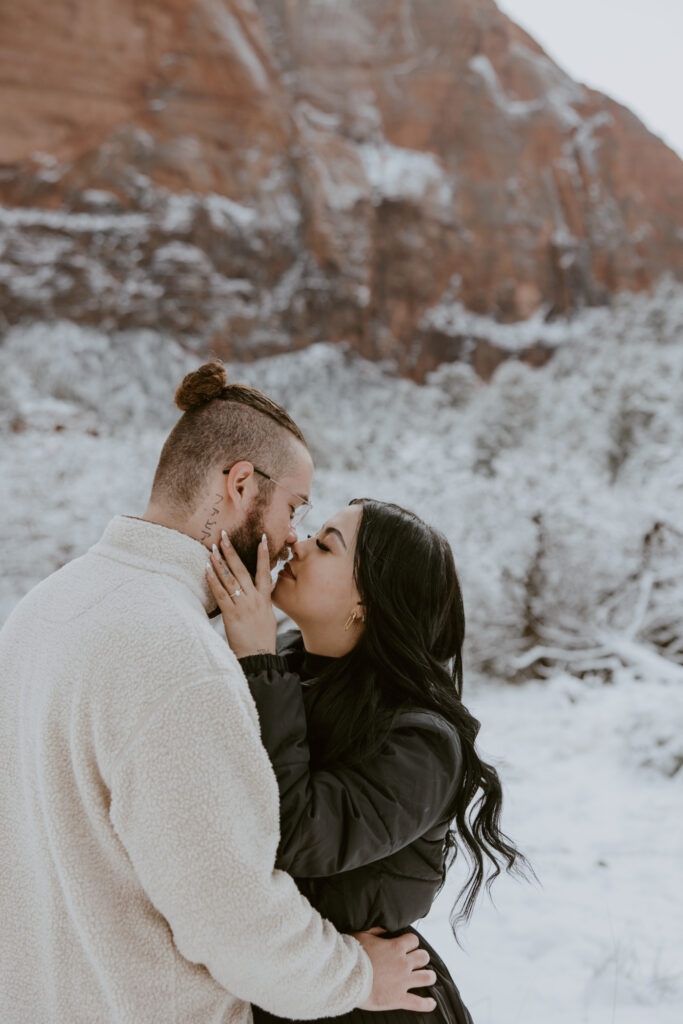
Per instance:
x=337, y=820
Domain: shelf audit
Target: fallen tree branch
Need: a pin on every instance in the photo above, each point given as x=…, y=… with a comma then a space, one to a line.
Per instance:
x=613, y=650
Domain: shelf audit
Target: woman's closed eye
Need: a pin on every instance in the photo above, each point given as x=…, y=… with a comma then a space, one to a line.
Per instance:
x=319, y=543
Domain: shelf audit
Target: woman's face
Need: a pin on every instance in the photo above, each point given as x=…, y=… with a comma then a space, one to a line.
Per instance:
x=316, y=588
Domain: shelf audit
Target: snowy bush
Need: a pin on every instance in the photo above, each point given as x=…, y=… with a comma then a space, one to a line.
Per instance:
x=654, y=739
x=507, y=413
x=559, y=488
x=458, y=381
x=82, y=377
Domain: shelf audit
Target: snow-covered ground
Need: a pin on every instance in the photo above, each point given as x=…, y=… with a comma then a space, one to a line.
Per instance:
x=561, y=491
x=600, y=940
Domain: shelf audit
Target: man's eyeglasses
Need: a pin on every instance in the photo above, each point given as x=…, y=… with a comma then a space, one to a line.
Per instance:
x=302, y=509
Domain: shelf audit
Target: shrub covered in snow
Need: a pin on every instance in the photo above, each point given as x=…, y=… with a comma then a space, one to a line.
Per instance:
x=559, y=488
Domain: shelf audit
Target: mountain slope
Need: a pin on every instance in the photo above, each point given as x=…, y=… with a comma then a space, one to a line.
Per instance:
x=259, y=176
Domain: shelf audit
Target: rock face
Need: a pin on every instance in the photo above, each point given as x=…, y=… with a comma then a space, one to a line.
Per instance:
x=260, y=174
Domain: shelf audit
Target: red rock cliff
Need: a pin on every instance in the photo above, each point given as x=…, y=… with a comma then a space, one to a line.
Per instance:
x=267, y=173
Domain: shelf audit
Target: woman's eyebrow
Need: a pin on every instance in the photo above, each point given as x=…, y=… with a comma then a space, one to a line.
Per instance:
x=333, y=529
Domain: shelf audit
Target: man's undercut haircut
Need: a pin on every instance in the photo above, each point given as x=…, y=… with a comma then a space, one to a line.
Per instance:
x=221, y=424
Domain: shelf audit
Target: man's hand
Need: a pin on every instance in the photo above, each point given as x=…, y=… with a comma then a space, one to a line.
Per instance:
x=245, y=604
x=397, y=966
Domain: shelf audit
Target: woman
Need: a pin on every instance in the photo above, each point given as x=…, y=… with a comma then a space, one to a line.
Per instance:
x=361, y=715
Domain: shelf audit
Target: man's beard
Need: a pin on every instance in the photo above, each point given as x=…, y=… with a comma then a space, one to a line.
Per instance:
x=246, y=540
x=247, y=537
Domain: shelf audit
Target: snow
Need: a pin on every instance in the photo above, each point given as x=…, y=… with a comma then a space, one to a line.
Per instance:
x=63, y=220
x=98, y=197
x=560, y=490
x=341, y=190
x=560, y=92
x=283, y=295
x=225, y=214
x=179, y=212
x=123, y=271
x=233, y=34
x=318, y=118
x=182, y=253
x=398, y=173
x=451, y=317
x=557, y=92
x=599, y=940
x=511, y=108
x=585, y=141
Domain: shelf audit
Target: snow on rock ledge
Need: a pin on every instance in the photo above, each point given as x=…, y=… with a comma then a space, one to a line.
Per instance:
x=383, y=157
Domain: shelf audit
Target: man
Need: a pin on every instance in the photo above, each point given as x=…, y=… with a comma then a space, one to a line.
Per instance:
x=138, y=808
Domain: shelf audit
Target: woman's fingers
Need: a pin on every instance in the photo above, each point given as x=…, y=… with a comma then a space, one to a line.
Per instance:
x=223, y=583
x=263, y=581
x=225, y=576
x=218, y=584
x=215, y=586
x=235, y=563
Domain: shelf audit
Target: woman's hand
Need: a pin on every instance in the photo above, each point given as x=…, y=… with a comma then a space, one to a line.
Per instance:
x=246, y=607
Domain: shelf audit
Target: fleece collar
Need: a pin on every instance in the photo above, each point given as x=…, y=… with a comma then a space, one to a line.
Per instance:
x=159, y=549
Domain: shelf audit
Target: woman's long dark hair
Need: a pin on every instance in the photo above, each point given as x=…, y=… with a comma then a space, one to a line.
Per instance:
x=412, y=644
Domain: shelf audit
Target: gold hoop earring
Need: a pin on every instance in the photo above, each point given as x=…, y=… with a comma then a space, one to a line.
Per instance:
x=350, y=621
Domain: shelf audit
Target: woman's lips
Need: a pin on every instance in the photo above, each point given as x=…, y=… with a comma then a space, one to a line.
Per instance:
x=287, y=572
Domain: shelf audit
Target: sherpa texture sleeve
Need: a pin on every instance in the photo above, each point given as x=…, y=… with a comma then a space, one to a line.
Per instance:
x=338, y=819
x=195, y=804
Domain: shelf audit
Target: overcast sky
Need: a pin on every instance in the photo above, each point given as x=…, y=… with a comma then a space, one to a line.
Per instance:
x=630, y=49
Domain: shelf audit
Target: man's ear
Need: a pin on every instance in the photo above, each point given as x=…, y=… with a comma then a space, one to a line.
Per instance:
x=239, y=482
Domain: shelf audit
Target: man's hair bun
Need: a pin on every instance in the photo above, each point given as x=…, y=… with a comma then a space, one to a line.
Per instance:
x=202, y=386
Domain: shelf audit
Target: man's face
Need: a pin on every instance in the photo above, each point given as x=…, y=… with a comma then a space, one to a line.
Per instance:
x=271, y=513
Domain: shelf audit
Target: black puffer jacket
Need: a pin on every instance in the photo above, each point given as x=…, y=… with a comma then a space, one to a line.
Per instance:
x=365, y=845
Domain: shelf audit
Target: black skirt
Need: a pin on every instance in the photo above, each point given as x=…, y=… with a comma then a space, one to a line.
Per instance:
x=450, y=1008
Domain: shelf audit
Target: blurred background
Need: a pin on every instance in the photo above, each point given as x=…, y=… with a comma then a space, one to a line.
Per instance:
x=459, y=267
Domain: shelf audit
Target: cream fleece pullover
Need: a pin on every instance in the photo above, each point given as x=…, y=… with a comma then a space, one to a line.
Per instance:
x=139, y=810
